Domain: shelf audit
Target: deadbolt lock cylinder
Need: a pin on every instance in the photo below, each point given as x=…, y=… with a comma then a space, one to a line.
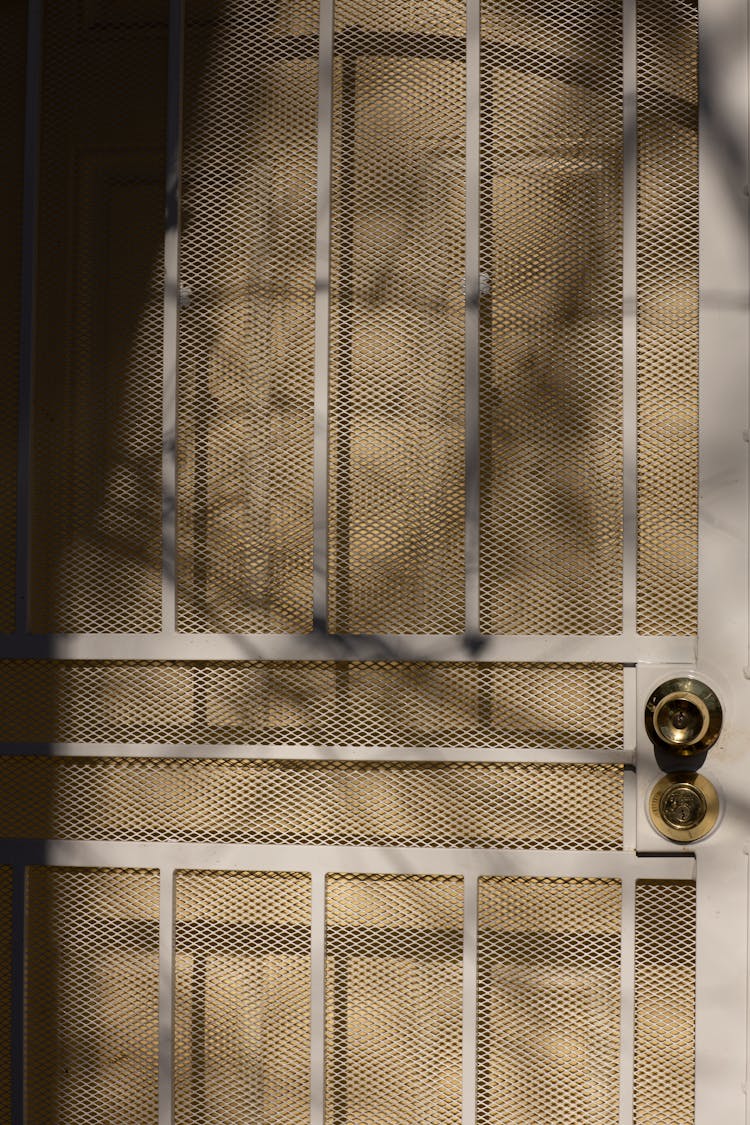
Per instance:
x=684, y=807
x=683, y=716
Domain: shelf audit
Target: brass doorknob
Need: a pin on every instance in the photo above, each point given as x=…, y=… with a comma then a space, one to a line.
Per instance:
x=683, y=715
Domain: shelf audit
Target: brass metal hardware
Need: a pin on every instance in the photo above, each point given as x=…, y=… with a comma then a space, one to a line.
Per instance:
x=683, y=807
x=684, y=716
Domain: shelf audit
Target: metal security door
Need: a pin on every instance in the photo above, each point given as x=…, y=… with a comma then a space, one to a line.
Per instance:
x=353, y=515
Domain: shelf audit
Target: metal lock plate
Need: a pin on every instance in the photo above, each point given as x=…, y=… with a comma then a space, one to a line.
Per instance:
x=683, y=807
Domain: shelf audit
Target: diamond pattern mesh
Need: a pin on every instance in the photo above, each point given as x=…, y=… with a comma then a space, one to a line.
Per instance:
x=667, y=316
x=12, y=76
x=664, y=1002
x=247, y=322
x=92, y=996
x=242, y=998
x=6, y=907
x=96, y=511
x=313, y=703
x=549, y=1002
x=397, y=319
x=551, y=323
x=376, y=804
x=393, y=999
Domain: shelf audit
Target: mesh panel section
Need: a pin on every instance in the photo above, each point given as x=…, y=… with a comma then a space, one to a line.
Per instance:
x=393, y=998
x=248, y=318
x=96, y=511
x=315, y=703
x=12, y=75
x=466, y=804
x=242, y=998
x=92, y=996
x=664, y=1002
x=667, y=314
x=397, y=316
x=6, y=908
x=549, y=1002
x=551, y=323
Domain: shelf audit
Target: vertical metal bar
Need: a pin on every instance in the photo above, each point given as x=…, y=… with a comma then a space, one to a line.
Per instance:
x=630, y=709
x=166, y=993
x=627, y=1000
x=471, y=344
x=322, y=315
x=18, y=995
x=746, y=1089
x=345, y=341
x=317, y=999
x=171, y=317
x=629, y=810
x=28, y=309
x=629, y=352
x=469, y=1080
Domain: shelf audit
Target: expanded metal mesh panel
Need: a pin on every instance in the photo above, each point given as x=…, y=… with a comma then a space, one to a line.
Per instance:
x=96, y=511
x=667, y=314
x=549, y=1002
x=92, y=977
x=6, y=906
x=313, y=703
x=247, y=323
x=12, y=75
x=551, y=323
x=242, y=998
x=664, y=1002
x=394, y=959
x=397, y=317
x=377, y=804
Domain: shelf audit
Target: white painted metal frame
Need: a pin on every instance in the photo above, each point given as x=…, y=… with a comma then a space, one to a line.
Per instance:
x=724, y=650
x=557, y=648
x=469, y=864
x=626, y=648
x=471, y=324
x=722, y=1014
x=629, y=353
x=171, y=317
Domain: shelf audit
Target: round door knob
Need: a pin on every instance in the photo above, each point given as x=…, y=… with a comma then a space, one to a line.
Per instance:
x=684, y=716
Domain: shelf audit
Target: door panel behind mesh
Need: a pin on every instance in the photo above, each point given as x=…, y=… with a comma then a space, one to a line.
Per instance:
x=96, y=460
x=245, y=416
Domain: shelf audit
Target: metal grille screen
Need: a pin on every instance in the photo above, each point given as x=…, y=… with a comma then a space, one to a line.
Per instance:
x=667, y=313
x=6, y=909
x=549, y=1001
x=551, y=323
x=92, y=1023
x=550, y=320
x=397, y=317
x=242, y=997
x=313, y=703
x=664, y=1002
x=96, y=512
x=398, y=804
x=247, y=322
x=393, y=988
x=12, y=56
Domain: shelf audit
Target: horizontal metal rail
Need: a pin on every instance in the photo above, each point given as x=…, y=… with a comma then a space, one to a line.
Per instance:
x=330, y=858
x=380, y=753
x=563, y=649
